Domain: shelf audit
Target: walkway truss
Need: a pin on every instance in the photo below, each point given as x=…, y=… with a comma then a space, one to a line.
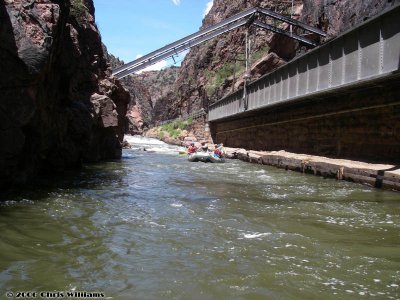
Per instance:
x=253, y=16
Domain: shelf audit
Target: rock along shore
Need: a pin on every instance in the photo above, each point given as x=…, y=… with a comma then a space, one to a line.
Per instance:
x=375, y=175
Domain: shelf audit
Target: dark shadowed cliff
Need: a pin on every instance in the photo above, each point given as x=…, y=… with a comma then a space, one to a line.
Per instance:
x=59, y=106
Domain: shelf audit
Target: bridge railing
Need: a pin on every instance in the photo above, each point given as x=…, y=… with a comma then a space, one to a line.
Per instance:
x=360, y=56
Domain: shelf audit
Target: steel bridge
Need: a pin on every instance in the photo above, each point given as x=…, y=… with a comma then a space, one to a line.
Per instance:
x=362, y=56
x=253, y=16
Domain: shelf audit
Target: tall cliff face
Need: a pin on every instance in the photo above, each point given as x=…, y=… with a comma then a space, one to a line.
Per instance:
x=146, y=90
x=157, y=85
x=216, y=68
x=59, y=106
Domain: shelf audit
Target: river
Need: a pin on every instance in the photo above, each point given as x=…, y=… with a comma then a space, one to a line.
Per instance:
x=155, y=226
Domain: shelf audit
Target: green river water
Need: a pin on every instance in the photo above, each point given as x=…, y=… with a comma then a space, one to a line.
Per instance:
x=155, y=226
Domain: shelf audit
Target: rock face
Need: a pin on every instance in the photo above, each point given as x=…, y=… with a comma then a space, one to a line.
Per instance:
x=334, y=16
x=59, y=106
x=147, y=89
x=139, y=109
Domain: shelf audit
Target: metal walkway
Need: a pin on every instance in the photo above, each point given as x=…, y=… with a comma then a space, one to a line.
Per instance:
x=366, y=54
x=248, y=17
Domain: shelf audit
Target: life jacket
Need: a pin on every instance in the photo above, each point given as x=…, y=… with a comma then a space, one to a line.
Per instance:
x=191, y=149
x=217, y=152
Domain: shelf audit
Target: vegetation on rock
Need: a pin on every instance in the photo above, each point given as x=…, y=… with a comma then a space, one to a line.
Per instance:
x=79, y=10
x=175, y=128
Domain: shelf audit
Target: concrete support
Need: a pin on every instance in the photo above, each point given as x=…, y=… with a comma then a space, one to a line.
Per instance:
x=360, y=125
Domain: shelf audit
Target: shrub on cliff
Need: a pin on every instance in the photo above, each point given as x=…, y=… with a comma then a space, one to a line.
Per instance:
x=174, y=129
x=79, y=10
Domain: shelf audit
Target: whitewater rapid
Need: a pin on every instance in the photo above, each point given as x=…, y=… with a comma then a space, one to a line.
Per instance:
x=141, y=143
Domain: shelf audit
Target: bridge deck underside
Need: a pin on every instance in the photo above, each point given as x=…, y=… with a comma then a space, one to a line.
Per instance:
x=361, y=56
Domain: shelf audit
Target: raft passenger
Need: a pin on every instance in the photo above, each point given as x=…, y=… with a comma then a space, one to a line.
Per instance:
x=192, y=149
x=204, y=147
x=217, y=152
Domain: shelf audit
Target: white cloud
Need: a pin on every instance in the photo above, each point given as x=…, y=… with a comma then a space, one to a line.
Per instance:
x=176, y=2
x=156, y=67
x=168, y=62
x=208, y=7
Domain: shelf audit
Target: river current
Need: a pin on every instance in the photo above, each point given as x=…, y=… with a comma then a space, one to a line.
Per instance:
x=155, y=226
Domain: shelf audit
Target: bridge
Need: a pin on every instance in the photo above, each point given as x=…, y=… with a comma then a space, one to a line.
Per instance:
x=253, y=16
x=340, y=99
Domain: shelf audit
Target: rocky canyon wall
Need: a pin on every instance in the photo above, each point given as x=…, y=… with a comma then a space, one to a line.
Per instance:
x=59, y=106
x=147, y=89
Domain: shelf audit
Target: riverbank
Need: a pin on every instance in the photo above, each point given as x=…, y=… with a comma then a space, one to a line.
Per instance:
x=181, y=133
x=375, y=175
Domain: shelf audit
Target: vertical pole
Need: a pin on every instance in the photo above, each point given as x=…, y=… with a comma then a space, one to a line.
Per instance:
x=246, y=75
x=247, y=51
x=234, y=76
x=291, y=16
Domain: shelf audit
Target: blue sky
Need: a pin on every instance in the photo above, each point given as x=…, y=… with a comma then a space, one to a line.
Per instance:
x=130, y=28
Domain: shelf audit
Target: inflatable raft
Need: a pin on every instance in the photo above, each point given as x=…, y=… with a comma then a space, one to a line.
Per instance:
x=205, y=157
